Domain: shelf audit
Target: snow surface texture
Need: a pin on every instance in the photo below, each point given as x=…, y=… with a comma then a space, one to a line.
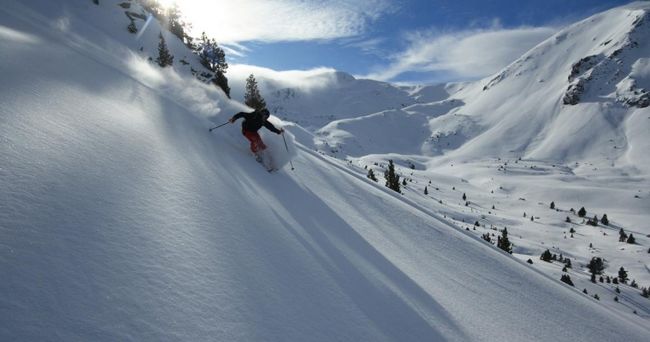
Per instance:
x=123, y=218
x=511, y=142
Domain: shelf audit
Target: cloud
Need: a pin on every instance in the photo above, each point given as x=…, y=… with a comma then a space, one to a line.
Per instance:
x=12, y=35
x=468, y=54
x=303, y=79
x=282, y=20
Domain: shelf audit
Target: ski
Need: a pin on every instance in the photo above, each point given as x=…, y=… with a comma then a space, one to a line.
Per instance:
x=262, y=159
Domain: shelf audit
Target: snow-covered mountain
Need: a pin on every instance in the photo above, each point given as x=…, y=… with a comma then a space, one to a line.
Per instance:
x=317, y=98
x=581, y=95
x=123, y=218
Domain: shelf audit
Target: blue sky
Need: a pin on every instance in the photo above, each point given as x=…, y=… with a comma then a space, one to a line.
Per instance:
x=407, y=41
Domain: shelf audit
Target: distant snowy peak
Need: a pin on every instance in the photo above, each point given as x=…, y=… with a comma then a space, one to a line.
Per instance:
x=331, y=96
x=607, y=58
x=571, y=98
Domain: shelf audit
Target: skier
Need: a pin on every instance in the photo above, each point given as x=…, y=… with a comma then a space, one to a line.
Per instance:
x=251, y=124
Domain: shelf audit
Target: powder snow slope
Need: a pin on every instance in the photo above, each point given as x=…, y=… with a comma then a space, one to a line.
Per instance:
x=122, y=218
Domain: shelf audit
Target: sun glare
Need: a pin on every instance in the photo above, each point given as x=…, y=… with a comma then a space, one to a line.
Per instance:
x=169, y=3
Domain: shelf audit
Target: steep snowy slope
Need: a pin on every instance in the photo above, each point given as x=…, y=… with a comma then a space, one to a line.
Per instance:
x=122, y=218
x=573, y=93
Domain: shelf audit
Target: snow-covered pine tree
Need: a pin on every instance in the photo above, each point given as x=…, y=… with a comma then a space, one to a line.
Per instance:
x=582, y=212
x=426, y=192
x=252, y=97
x=552, y=205
x=165, y=58
x=631, y=239
x=392, y=179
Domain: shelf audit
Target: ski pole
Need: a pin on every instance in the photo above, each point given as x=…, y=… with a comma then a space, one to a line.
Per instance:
x=287, y=147
x=215, y=127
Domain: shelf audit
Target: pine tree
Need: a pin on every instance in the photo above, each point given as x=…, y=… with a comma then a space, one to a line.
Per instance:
x=426, y=192
x=173, y=15
x=165, y=58
x=132, y=28
x=503, y=242
x=546, y=256
x=464, y=197
x=213, y=58
x=392, y=179
x=582, y=212
x=596, y=267
x=645, y=292
x=567, y=262
x=552, y=205
x=252, y=97
x=631, y=239
x=221, y=81
x=622, y=237
x=604, y=220
x=566, y=279
x=371, y=175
